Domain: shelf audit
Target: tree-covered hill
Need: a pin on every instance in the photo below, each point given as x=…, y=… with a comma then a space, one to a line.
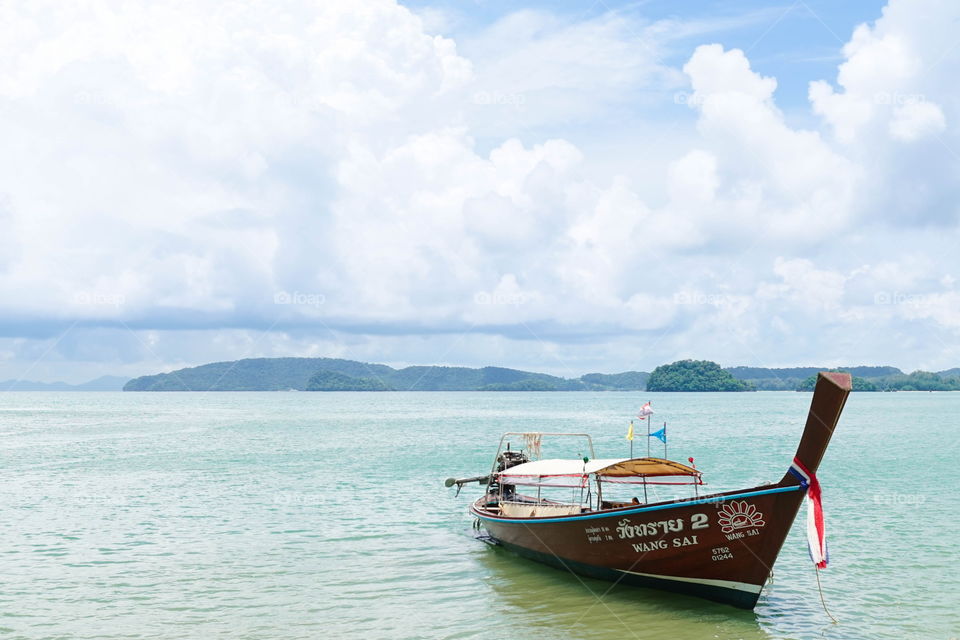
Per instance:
x=315, y=374
x=425, y=378
x=332, y=381
x=254, y=374
x=284, y=374
x=789, y=378
x=694, y=375
x=916, y=381
x=859, y=384
x=627, y=381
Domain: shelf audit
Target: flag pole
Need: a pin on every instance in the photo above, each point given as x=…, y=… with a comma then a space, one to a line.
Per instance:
x=665, y=441
x=631, y=438
x=648, y=436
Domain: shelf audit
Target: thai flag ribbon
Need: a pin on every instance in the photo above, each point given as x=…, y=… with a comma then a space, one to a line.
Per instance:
x=816, y=530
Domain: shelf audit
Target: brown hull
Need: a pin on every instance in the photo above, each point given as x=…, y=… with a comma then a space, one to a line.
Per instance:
x=720, y=547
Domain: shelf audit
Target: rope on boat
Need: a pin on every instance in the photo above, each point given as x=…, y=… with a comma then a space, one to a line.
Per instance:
x=822, y=601
x=533, y=442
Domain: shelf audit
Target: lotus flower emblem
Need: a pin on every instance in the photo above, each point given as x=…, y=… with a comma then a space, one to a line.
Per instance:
x=739, y=515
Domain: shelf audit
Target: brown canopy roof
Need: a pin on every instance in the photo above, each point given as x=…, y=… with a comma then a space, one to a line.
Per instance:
x=647, y=467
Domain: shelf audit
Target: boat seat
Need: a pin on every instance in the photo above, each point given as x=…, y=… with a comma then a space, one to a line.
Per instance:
x=527, y=510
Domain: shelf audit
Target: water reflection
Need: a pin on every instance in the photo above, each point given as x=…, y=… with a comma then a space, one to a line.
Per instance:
x=529, y=595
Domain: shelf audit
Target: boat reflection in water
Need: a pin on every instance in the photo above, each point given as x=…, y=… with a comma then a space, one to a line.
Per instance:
x=721, y=547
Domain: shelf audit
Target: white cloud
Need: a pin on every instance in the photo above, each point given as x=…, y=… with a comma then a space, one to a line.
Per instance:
x=693, y=178
x=534, y=69
x=807, y=286
x=891, y=73
x=176, y=167
x=787, y=183
x=916, y=120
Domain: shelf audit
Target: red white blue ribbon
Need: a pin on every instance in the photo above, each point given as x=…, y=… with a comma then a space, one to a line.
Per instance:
x=816, y=530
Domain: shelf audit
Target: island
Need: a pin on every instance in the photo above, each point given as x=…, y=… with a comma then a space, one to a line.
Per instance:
x=336, y=374
x=695, y=375
x=916, y=381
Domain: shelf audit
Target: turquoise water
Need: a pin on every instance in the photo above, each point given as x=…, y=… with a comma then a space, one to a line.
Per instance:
x=293, y=515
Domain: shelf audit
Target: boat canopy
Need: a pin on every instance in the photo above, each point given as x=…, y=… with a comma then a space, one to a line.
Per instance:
x=623, y=470
x=647, y=467
x=559, y=467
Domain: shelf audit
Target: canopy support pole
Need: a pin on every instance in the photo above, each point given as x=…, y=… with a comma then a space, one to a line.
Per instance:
x=665, y=441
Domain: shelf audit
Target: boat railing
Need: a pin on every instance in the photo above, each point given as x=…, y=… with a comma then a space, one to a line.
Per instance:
x=541, y=434
x=534, y=436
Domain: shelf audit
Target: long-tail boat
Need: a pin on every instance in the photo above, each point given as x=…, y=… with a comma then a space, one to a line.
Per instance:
x=721, y=547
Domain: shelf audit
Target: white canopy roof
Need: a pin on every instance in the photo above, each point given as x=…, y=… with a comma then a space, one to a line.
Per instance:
x=607, y=467
x=560, y=467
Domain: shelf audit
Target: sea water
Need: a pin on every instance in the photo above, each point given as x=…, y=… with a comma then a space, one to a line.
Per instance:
x=324, y=515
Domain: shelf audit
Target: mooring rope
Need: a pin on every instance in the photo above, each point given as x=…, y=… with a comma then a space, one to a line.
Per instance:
x=822, y=601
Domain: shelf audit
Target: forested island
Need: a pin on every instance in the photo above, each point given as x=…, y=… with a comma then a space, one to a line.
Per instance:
x=334, y=374
x=695, y=375
x=916, y=381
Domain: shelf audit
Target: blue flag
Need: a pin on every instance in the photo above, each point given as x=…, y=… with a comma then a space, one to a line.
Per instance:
x=662, y=435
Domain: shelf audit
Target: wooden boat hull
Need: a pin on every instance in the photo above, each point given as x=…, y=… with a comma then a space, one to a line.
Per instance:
x=721, y=547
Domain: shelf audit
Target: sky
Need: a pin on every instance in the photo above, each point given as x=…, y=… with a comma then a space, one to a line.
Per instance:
x=561, y=187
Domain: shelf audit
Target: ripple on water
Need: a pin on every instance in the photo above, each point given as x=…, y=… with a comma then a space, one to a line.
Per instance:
x=324, y=515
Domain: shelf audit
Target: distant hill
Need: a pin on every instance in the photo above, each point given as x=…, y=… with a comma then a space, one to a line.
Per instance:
x=333, y=374
x=627, y=381
x=790, y=378
x=434, y=378
x=916, y=381
x=332, y=381
x=744, y=373
x=255, y=374
x=694, y=375
x=103, y=383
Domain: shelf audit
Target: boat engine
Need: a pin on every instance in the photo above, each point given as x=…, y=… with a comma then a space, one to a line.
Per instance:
x=506, y=460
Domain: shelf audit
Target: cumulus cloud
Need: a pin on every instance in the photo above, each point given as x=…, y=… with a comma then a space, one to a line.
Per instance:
x=785, y=182
x=335, y=179
x=894, y=110
x=884, y=76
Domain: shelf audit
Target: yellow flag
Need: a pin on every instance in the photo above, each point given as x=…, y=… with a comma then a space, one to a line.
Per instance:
x=630, y=431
